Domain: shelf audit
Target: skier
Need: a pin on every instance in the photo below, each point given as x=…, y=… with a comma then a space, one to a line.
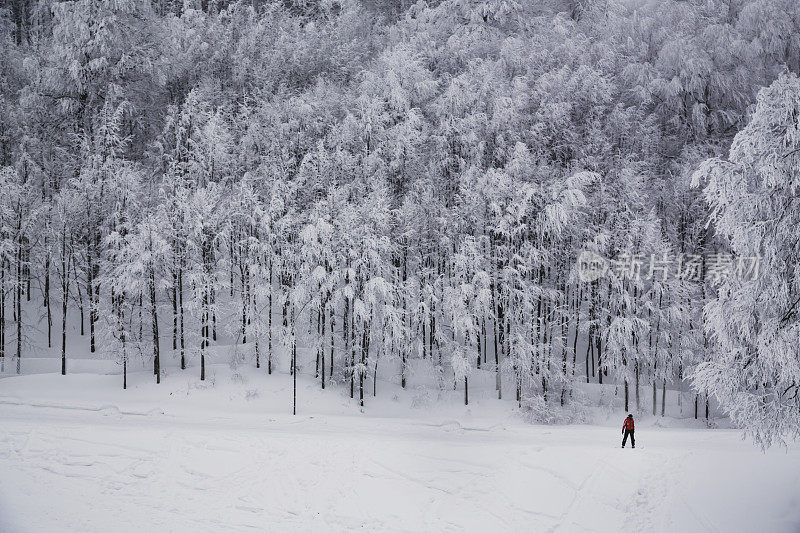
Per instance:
x=627, y=429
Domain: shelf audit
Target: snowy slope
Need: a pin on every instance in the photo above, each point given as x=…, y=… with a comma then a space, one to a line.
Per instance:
x=79, y=454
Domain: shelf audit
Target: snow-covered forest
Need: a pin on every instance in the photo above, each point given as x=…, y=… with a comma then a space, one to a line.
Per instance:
x=375, y=191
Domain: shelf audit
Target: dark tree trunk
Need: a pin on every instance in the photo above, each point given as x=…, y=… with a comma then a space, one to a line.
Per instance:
x=364, y=354
x=294, y=365
x=655, y=397
x=18, y=295
x=332, y=340
x=180, y=313
x=90, y=291
x=47, y=296
x=154, y=316
x=322, y=343
x=405, y=313
x=269, y=320
x=213, y=314
x=345, y=332
x=599, y=362
x=2, y=315
x=80, y=302
x=257, y=347
x=626, y=396
x=174, y=311
x=65, y=262
x=203, y=334
x=589, y=342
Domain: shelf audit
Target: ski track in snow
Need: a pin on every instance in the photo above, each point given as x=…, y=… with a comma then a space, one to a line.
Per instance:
x=78, y=468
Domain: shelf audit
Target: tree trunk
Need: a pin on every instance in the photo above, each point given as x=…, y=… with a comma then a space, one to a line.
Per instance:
x=322, y=343
x=579, y=298
x=346, y=333
x=90, y=291
x=180, y=313
x=154, y=316
x=2, y=314
x=244, y=298
x=213, y=314
x=332, y=339
x=364, y=353
x=589, y=343
x=627, y=409
x=174, y=311
x=18, y=295
x=80, y=301
x=65, y=262
x=203, y=334
x=599, y=362
x=269, y=319
x=405, y=315
x=294, y=365
x=47, y=295
x=254, y=312
x=655, y=395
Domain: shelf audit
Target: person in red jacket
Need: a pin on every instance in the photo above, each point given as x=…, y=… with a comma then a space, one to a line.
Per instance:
x=627, y=429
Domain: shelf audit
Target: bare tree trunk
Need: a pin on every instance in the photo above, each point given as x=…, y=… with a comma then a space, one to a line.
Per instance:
x=18, y=294
x=203, y=334
x=655, y=397
x=627, y=408
x=364, y=354
x=345, y=332
x=80, y=300
x=294, y=365
x=154, y=316
x=253, y=312
x=90, y=290
x=180, y=313
x=599, y=362
x=3, y=270
x=589, y=343
x=579, y=300
x=405, y=315
x=636, y=382
x=47, y=294
x=213, y=314
x=244, y=298
x=269, y=319
x=174, y=311
x=318, y=343
x=500, y=337
x=323, y=312
x=65, y=262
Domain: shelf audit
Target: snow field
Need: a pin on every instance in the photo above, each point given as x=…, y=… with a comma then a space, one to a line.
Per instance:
x=78, y=454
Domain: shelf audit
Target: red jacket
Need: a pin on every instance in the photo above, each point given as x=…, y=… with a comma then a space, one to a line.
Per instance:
x=628, y=424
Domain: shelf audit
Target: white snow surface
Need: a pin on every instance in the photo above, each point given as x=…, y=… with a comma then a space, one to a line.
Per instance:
x=79, y=454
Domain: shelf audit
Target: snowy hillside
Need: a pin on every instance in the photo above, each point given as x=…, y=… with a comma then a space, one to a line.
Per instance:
x=79, y=454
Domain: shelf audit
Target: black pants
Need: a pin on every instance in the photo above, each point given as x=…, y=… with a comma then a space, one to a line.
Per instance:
x=625, y=438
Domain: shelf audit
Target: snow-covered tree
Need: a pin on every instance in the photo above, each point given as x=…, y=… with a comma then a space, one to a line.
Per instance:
x=754, y=316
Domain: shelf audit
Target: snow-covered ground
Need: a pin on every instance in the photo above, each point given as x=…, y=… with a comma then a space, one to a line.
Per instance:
x=79, y=454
